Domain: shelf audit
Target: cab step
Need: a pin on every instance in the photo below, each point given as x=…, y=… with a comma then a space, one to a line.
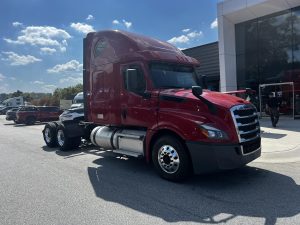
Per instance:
x=128, y=153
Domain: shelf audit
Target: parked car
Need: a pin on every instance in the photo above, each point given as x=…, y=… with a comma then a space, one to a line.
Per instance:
x=11, y=114
x=72, y=114
x=30, y=114
x=5, y=109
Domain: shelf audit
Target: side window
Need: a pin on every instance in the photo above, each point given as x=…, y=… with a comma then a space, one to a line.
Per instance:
x=99, y=47
x=137, y=83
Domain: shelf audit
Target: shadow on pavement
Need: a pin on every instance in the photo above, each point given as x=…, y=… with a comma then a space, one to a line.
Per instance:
x=9, y=124
x=48, y=149
x=212, y=199
x=283, y=124
x=25, y=125
x=272, y=135
x=83, y=149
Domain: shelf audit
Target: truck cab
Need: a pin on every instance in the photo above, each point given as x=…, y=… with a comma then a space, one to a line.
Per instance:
x=143, y=99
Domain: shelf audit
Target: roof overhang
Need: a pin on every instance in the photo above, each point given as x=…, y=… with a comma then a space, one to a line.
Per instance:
x=237, y=11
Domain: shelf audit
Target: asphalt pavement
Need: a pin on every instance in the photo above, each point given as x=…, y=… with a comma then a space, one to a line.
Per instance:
x=39, y=185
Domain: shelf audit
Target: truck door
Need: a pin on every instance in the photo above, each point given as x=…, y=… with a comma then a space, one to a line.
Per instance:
x=138, y=106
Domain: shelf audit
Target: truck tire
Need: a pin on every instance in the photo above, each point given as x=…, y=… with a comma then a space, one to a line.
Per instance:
x=64, y=142
x=170, y=159
x=50, y=135
x=30, y=120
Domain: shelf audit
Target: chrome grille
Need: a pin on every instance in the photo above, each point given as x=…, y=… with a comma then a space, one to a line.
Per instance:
x=246, y=122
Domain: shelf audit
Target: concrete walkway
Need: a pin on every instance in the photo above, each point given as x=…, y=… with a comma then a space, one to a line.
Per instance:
x=280, y=144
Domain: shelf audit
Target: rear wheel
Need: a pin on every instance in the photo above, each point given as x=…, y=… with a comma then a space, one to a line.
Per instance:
x=64, y=142
x=170, y=159
x=50, y=135
x=17, y=122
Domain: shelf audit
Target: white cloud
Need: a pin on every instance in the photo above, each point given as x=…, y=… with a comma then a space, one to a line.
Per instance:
x=127, y=24
x=214, y=24
x=115, y=22
x=49, y=87
x=186, y=30
x=17, y=24
x=71, y=80
x=195, y=34
x=2, y=77
x=63, y=49
x=19, y=60
x=179, y=39
x=90, y=17
x=38, y=82
x=122, y=23
x=48, y=51
x=82, y=27
x=41, y=36
x=186, y=38
x=12, y=78
x=64, y=42
x=69, y=67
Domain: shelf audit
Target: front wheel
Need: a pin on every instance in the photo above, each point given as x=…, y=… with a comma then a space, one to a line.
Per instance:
x=170, y=159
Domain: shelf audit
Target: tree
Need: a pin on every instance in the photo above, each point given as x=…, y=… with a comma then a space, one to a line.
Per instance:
x=17, y=94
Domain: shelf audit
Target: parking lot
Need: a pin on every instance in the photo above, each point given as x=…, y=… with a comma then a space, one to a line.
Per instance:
x=40, y=185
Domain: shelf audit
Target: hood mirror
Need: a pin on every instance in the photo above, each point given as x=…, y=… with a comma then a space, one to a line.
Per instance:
x=197, y=91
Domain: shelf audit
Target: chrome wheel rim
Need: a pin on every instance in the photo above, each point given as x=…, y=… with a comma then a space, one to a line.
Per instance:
x=60, y=137
x=47, y=135
x=168, y=159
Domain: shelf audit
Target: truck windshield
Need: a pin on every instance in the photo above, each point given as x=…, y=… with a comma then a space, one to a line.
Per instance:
x=172, y=76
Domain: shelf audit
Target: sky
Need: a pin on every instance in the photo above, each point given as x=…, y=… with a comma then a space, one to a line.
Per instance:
x=41, y=40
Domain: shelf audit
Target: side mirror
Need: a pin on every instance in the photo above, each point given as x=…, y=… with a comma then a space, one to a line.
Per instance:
x=131, y=79
x=197, y=91
x=204, y=83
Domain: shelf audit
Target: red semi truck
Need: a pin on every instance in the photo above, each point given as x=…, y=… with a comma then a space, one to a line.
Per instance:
x=142, y=99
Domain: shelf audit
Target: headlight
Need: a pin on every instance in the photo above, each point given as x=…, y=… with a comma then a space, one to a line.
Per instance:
x=212, y=132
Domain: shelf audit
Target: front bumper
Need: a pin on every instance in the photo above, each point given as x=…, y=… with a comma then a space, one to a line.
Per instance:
x=213, y=157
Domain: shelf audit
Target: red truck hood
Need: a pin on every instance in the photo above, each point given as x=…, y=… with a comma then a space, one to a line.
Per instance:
x=219, y=99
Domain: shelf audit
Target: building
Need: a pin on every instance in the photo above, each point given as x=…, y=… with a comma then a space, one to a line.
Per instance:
x=259, y=43
x=208, y=56
x=14, y=102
